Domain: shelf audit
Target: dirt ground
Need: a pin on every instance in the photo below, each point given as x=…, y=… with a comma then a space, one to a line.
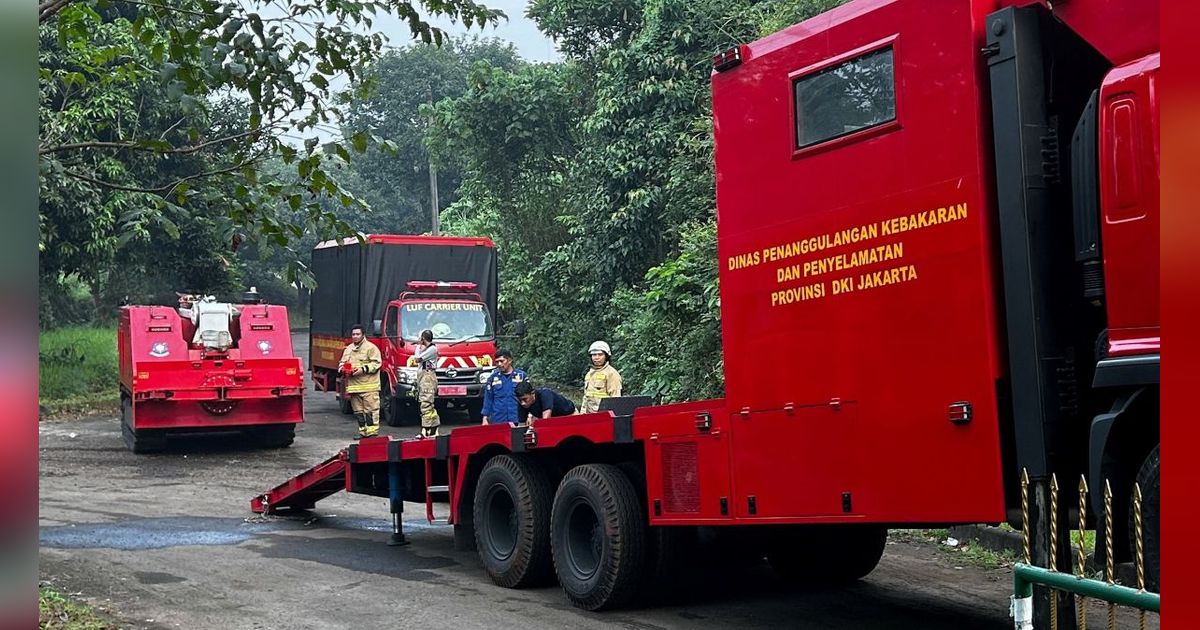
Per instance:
x=168, y=541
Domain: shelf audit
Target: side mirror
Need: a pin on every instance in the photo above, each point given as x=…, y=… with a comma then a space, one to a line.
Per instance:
x=377, y=328
x=518, y=327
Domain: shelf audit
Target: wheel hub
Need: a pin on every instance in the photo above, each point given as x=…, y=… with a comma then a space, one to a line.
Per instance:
x=585, y=540
x=501, y=526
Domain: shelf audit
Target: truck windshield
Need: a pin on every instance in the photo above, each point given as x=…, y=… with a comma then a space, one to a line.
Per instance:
x=449, y=321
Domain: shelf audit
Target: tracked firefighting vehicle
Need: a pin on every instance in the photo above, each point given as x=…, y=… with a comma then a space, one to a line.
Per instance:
x=945, y=213
x=207, y=366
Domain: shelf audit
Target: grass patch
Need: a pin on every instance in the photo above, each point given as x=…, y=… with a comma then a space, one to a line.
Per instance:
x=58, y=612
x=77, y=369
x=1089, y=539
x=965, y=553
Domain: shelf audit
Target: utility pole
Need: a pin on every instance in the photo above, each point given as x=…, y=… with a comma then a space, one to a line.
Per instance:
x=434, y=196
x=433, y=186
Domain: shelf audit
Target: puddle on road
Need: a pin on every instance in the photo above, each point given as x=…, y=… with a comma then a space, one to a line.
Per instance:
x=160, y=533
x=152, y=533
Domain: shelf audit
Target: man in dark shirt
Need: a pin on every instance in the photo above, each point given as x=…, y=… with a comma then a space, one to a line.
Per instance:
x=541, y=402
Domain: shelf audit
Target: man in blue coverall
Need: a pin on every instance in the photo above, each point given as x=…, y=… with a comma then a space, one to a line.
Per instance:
x=499, y=402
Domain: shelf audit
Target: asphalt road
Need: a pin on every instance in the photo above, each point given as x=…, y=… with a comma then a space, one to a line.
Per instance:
x=167, y=541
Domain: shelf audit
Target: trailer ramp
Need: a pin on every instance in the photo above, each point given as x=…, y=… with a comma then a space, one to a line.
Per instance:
x=304, y=490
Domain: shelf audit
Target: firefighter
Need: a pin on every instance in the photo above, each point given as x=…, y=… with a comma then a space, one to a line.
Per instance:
x=541, y=402
x=427, y=360
x=360, y=363
x=499, y=401
x=601, y=380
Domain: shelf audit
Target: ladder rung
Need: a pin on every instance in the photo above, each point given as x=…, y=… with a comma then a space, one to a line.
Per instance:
x=432, y=489
x=440, y=521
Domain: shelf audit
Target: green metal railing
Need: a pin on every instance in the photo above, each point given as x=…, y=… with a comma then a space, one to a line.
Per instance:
x=1026, y=574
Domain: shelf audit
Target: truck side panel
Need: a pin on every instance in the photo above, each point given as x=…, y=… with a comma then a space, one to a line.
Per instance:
x=1129, y=198
x=688, y=474
x=858, y=284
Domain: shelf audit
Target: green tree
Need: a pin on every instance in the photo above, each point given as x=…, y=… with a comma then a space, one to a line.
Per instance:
x=108, y=66
x=395, y=183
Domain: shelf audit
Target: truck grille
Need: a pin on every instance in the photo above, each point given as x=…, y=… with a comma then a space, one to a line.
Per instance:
x=461, y=376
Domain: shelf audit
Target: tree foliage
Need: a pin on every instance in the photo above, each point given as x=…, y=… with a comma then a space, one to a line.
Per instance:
x=131, y=140
x=395, y=183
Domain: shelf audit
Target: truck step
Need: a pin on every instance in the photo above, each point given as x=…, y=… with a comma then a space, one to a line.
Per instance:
x=440, y=521
x=433, y=489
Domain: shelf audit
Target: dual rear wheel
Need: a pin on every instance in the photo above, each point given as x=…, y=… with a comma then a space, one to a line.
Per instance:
x=591, y=533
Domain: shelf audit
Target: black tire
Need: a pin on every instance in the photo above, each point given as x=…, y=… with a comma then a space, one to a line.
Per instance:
x=598, y=535
x=669, y=550
x=512, y=521
x=274, y=435
x=1148, y=479
x=827, y=554
x=139, y=440
x=344, y=404
x=391, y=407
x=402, y=411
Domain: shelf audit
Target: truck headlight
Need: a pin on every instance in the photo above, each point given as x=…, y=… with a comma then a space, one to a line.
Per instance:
x=484, y=376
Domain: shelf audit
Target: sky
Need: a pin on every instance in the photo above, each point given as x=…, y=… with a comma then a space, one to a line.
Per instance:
x=518, y=29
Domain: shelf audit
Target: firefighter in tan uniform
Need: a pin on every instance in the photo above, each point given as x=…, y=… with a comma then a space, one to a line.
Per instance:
x=360, y=363
x=602, y=379
x=426, y=359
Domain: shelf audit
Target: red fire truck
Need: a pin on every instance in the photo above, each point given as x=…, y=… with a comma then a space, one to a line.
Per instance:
x=397, y=286
x=945, y=214
x=208, y=366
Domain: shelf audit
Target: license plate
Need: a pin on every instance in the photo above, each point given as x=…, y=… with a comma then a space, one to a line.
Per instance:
x=452, y=390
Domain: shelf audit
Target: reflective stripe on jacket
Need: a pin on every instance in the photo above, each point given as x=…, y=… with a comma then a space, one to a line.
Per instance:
x=365, y=355
x=598, y=384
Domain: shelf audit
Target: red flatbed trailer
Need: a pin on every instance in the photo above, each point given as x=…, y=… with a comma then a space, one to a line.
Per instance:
x=963, y=295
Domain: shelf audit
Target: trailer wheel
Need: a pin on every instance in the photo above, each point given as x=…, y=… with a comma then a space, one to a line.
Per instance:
x=344, y=404
x=1148, y=479
x=512, y=521
x=598, y=534
x=139, y=440
x=819, y=554
x=274, y=435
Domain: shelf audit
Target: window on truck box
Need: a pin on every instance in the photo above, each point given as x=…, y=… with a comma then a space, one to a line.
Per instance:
x=449, y=321
x=849, y=97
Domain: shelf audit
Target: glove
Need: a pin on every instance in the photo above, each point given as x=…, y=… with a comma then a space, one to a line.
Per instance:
x=347, y=369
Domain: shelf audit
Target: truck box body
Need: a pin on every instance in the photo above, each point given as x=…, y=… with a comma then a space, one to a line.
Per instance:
x=861, y=257
x=356, y=281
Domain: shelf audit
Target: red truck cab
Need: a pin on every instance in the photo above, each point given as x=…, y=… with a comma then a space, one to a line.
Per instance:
x=463, y=332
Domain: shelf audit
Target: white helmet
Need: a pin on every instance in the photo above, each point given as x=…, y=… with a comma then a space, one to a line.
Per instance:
x=600, y=346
